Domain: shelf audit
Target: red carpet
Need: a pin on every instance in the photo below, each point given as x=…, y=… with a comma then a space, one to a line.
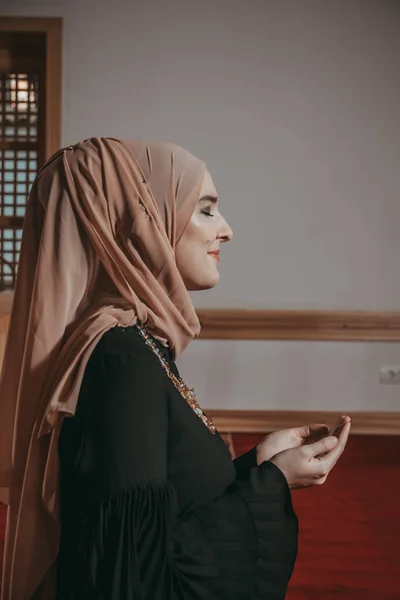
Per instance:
x=349, y=547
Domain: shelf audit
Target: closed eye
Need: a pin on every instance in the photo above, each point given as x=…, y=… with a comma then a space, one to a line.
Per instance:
x=206, y=212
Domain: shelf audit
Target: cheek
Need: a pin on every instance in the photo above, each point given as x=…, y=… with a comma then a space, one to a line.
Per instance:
x=195, y=267
x=201, y=229
x=191, y=250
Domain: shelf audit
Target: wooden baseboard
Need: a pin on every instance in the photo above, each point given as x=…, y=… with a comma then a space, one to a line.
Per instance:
x=308, y=325
x=263, y=421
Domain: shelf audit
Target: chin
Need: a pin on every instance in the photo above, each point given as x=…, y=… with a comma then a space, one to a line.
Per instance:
x=204, y=284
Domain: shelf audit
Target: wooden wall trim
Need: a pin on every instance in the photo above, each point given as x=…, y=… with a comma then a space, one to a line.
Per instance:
x=287, y=325
x=257, y=421
x=366, y=326
x=52, y=27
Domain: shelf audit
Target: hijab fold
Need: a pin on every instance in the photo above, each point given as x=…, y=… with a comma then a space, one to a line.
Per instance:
x=101, y=226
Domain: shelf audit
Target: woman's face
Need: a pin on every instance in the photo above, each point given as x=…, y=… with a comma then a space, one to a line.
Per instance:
x=197, y=252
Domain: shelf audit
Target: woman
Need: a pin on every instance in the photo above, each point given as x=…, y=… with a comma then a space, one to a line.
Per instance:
x=134, y=495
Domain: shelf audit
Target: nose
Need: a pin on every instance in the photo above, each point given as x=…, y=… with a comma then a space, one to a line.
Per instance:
x=225, y=233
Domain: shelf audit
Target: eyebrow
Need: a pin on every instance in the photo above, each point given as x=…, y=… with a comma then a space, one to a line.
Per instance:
x=209, y=198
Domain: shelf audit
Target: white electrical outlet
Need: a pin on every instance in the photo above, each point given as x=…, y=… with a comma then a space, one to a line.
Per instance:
x=389, y=375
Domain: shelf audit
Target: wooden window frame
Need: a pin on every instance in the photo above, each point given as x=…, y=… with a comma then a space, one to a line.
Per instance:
x=52, y=28
x=50, y=74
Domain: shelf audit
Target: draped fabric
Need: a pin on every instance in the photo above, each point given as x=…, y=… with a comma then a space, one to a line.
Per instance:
x=100, y=230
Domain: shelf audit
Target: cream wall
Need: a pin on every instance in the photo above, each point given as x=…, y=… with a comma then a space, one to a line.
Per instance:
x=294, y=105
x=336, y=376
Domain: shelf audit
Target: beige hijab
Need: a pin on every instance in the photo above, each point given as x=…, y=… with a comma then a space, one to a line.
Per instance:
x=101, y=226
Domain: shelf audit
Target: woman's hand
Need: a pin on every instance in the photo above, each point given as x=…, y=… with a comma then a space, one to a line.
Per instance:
x=310, y=464
x=276, y=442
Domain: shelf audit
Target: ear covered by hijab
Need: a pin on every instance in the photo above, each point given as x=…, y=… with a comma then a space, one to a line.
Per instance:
x=101, y=226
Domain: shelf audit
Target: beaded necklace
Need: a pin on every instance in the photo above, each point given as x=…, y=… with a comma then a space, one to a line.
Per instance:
x=180, y=385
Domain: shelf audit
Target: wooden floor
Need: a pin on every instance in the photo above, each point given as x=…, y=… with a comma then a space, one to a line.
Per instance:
x=350, y=527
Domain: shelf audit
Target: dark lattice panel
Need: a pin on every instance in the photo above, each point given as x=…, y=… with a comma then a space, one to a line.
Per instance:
x=10, y=243
x=19, y=95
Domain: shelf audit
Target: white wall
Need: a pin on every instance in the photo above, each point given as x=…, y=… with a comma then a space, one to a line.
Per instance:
x=294, y=105
x=337, y=376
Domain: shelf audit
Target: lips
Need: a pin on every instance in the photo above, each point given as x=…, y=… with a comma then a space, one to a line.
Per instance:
x=214, y=254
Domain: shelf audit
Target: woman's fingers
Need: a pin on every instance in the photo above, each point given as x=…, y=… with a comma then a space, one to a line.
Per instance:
x=312, y=433
x=327, y=444
x=311, y=463
x=318, y=429
x=332, y=456
x=339, y=425
x=337, y=428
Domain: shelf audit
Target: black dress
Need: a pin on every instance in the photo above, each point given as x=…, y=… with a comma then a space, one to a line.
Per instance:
x=152, y=505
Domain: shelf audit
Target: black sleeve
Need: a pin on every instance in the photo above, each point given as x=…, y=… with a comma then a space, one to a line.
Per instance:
x=266, y=493
x=246, y=461
x=120, y=468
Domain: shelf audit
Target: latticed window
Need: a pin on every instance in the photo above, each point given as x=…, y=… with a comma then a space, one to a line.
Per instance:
x=21, y=143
